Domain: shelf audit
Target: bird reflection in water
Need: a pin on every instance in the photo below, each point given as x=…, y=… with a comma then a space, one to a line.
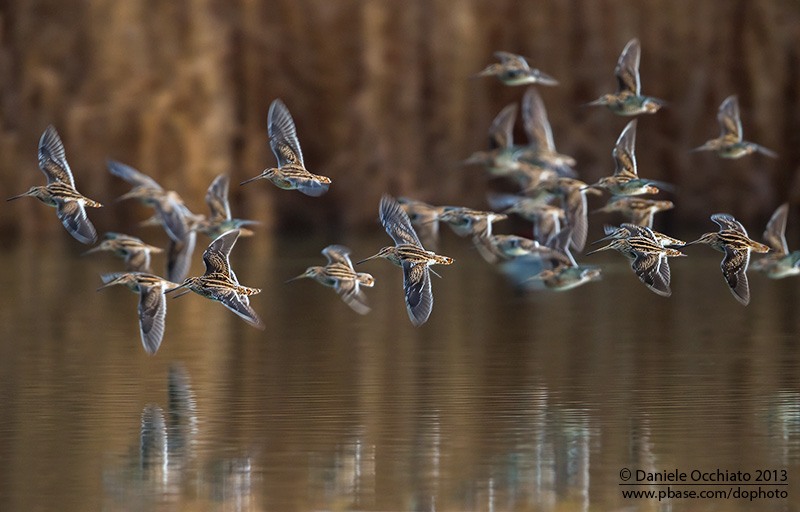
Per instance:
x=344, y=479
x=164, y=467
x=230, y=483
x=781, y=421
x=545, y=467
x=641, y=450
x=426, y=461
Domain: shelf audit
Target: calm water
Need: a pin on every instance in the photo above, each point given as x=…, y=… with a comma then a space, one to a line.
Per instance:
x=502, y=401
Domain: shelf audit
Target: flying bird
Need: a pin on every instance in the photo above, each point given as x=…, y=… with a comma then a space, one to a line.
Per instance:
x=409, y=254
x=132, y=250
x=291, y=173
x=219, y=282
x=649, y=259
x=152, y=303
x=625, y=180
x=779, y=263
x=732, y=240
x=340, y=275
x=515, y=70
x=60, y=190
x=168, y=204
x=730, y=144
x=628, y=100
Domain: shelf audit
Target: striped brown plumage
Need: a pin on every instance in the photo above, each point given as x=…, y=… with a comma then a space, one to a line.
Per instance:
x=60, y=190
x=409, y=254
x=732, y=240
x=340, y=275
x=219, y=282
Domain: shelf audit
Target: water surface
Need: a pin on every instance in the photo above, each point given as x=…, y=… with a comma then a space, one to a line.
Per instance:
x=502, y=401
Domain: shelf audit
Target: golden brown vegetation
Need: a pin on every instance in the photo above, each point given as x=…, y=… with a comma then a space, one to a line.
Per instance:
x=381, y=96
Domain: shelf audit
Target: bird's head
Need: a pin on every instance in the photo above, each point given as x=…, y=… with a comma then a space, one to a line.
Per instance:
x=37, y=191
x=387, y=252
x=615, y=244
x=311, y=272
x=708, y=238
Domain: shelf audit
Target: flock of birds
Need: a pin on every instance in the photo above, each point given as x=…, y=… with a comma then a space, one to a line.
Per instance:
x=543, y=175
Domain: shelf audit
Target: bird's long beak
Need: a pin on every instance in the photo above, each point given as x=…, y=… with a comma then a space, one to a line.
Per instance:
x=90, y=251
x=429, y=221
x=598, y=101
x=367, y=259
x=471, y=160
x=609, y=237
x=177, y=288
x=17, y=197
x=152, y=221
x=248, y=181
x=110, y=283
x=607, y=247
x=301, y=276
x=535, y=277
x=692, y=243
x=485, y=72
x=126, y=195
x=546, y=79
x=767, y=152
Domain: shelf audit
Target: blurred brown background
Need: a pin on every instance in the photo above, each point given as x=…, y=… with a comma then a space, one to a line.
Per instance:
x=382, y=99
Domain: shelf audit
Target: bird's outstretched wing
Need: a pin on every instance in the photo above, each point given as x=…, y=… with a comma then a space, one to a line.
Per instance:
x=653, y=270
x=352, y=295
x=501, y=132
x=179, y=257
x=726, y=221
x=215, y=257
x=241, y=306
x=730, y=122
x=775, y=234
x=217, y=198
x=624, y=152
x=396, y=222
x=73, y=216
x=512, y=59
x=172, y=214
x=152, y=312
x=575, y=209
x=52, y=158
x=627, y=70
x=419, y=296
x=283, y=135
x=131, y=175
x=734, y=268
x=534, y=118
x=308, y=185
x=338, y=254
